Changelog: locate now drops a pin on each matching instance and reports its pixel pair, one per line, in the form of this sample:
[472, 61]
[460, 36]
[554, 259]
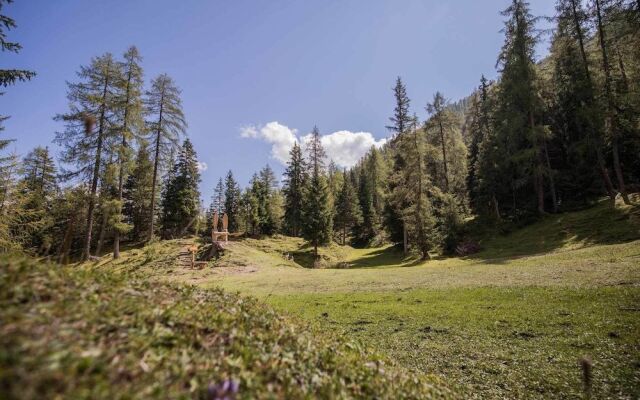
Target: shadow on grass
[602, 224]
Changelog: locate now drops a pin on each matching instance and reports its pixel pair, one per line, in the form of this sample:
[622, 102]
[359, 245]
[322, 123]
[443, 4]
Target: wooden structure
[196, 264]
[216, 235]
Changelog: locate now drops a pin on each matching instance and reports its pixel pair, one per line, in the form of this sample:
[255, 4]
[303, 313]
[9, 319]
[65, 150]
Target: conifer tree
[131, 125]
[612, 117]
[40, 190]
[89, 128]
[218, 198]
[10, 76]
[519, 106]
[348, 212]
[137, 193]
[400, 122]
[232, 201]
[164, 104]
[294, 186]
[181, 198]
[317, 222]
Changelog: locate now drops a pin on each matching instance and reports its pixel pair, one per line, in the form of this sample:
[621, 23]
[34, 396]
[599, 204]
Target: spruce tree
[90, 128]
[317, 224]
[518, 109]
[219, 198]
[400, 122]
[163, 103]
[613, 119]
[232, 201]
[181, 197]
[294, 186]
[348, 212]
[137, 193]
[40, 190]
[10, 76]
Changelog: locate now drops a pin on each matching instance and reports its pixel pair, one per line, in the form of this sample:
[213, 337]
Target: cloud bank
[345, 148]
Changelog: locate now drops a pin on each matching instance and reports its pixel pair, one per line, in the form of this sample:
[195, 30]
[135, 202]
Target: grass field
[509, 322]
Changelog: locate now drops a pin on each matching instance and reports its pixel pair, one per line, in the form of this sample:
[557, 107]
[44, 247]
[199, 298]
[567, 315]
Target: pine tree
[519, 107]
[89, 128]
[163, 103]
[137, 193]
[181, 197]
[232, 201]
[294, 187]
[10, 76]
[348, 212]
[401, 121]
[411, 192]
[40, 190]
[218, 198]
[317, 224]
[612, 117]
[267, 186]
[131, 126]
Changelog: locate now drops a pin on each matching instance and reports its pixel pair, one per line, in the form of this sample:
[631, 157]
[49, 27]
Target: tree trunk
[552, 184]
[613, 118]
[496, 207]
[344, 235]
[444, 157]
[103, 231]
[538, 179]
[96, 172]
[405, 238]
[63, 255]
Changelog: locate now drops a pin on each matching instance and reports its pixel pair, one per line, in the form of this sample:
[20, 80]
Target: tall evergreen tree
[218, 197]
[131, 125]
[317, 223]
[181, 198]
[518, 108]
[294, 187]
[137, 193]
[612, 117]
[348, 212]
[232, 201]
[89, 128]
[164, 104]
[400, 122]
[10, 76]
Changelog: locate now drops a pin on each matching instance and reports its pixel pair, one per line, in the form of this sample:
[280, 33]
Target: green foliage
[294, 187]
[348, 213]
[181, 197]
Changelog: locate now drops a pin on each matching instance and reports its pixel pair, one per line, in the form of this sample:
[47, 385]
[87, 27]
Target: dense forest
[549, 135]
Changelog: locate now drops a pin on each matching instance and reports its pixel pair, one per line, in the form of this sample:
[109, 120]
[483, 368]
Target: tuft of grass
[111, 330]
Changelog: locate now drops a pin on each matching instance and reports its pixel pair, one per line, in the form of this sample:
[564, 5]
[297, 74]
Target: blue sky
[256, 75]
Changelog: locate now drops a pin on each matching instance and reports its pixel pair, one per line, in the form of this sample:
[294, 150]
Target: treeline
[545, 137]
[548, 135]
[124, 174]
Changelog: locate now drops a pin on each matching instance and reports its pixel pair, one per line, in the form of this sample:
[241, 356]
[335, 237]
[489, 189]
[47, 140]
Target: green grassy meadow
[512, 321]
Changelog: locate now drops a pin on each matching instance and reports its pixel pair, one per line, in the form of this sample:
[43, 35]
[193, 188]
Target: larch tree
[131, 127]
[90, 128]
[295, 180]
[163, 104]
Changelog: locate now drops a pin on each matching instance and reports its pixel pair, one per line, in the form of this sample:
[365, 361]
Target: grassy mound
[90, 332]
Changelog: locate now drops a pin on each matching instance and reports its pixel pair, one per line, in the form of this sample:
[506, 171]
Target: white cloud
[279, 136]
[345, 148]
[202, 166]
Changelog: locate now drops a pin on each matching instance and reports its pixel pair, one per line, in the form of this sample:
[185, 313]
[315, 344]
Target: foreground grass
[509, 322]
[113, 331]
